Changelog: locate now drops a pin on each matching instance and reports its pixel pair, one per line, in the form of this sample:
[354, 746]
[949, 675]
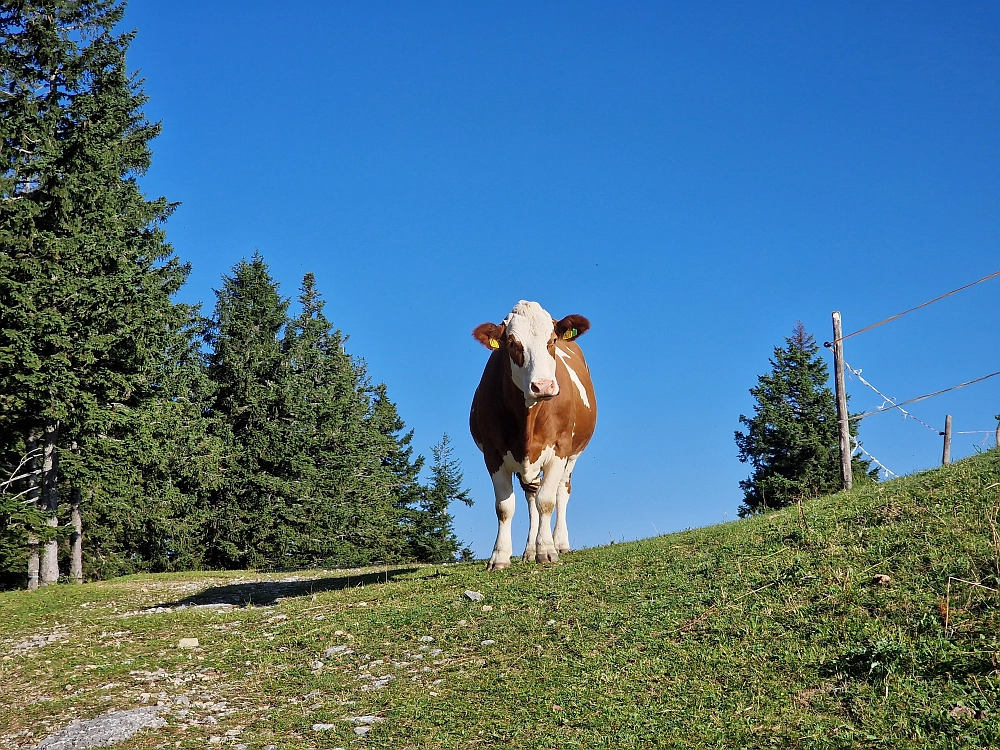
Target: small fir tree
[432, 535]
[792, 440]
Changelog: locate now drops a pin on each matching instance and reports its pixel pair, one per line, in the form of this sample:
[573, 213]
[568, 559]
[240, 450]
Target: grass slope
[757, 633]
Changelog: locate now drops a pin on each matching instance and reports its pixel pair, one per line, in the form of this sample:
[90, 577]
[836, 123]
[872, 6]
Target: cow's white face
[530, 337]
[527, 337]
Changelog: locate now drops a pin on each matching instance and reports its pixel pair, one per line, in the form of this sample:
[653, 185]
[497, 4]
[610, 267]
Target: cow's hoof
[497, 565]
[547, 557]
[564, 550]
[527, 557]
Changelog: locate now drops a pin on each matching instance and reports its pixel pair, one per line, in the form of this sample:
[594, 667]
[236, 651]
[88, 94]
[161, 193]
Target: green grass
[766, 632]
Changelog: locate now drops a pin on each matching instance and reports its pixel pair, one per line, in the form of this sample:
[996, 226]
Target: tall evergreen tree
[248, 525]
[432, 533]
[792, 441]
[85, 273]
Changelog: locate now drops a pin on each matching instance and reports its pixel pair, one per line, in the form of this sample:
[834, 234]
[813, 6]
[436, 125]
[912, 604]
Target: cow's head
[528, 338]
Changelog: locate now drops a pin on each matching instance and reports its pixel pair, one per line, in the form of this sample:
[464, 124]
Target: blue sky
[694, 177]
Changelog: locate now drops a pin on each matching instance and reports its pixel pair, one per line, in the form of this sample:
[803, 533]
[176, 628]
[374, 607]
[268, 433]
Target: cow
[533, 414]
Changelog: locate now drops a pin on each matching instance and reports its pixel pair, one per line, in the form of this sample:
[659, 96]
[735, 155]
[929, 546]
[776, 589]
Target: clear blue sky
[694, 177]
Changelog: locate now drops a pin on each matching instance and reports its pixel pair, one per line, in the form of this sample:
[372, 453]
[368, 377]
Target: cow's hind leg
[503, 488]
[530, 490]
[561, 535]
[545, 500]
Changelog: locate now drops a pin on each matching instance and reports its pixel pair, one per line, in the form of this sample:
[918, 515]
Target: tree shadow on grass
[267, 593]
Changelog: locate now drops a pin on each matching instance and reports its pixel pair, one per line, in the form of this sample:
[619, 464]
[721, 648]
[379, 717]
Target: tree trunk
[76, 538]
[32, 498]
[49, 568]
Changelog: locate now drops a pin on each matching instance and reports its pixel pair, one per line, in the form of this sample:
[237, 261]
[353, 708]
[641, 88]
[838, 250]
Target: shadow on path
[266, 593]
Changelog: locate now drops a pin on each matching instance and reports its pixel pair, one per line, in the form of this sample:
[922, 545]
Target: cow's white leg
[529, 547]
[545, 501]
[561, 535]
[503, 488]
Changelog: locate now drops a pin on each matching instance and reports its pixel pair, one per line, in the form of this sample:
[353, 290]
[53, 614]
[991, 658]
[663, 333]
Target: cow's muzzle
[544, 389]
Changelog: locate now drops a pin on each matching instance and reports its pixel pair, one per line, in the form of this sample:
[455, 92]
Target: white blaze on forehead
[574, 377]
[531, 326]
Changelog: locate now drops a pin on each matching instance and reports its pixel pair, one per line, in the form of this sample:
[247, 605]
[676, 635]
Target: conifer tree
[85, 273]
[792, 440]
[432, 534]
[248, 525]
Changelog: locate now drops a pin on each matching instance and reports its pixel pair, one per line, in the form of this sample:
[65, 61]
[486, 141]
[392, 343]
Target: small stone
[487, 643]
[881, 579]
[425, 639]
[474, 596]
[550, 622]
[242, 746]
[271, 747]
[487, 608]
[463, 623]
[556, 707]
[334, 650]
[187, 643]
[214, 740]
[362, 730]
[316, 665]
[323, 727]
[364, 719]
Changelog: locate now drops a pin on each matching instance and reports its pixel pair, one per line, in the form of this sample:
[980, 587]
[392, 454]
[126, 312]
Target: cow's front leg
[503, 488]
[530, 491]
[545, 501]
[561, 535]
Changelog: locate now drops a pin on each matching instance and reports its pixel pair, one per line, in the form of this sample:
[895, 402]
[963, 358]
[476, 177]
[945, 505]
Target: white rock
[364, 719]
[426, 639]
[362, 730]
[487, 643]
[474, 596]
[323, 727]
[187, 643]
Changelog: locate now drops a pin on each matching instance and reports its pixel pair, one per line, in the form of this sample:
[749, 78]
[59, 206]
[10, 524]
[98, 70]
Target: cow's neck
[524, 414]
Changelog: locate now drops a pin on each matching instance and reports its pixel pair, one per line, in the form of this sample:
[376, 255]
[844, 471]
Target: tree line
[137, 433]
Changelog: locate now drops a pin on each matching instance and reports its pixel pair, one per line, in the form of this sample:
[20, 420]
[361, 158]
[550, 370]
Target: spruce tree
[792, 440]
[432, 531]
[250, 509]
[85, 273]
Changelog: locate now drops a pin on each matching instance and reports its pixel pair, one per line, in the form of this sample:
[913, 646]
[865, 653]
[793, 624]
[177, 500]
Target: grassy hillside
[757, 633]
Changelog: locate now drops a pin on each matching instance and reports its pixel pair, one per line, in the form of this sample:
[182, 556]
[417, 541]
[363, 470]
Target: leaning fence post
[946, 456]
[842, 415]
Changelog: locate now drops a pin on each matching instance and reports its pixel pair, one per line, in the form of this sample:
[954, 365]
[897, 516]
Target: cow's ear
[571, 327]
[488, 334]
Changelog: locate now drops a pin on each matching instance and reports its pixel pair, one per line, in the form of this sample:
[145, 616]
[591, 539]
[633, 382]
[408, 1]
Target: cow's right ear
[488, 334]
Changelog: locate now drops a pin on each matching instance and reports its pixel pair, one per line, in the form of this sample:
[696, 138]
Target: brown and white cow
[533, 414]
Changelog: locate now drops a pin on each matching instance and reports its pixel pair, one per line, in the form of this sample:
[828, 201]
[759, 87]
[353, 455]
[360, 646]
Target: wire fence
[892, 404]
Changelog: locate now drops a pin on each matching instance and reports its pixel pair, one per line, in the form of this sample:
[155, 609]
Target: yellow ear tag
[570, 334]
[494, 344]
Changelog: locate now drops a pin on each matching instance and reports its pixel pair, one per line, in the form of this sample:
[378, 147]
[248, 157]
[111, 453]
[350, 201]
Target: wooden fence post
[842, 416]
[946, 456]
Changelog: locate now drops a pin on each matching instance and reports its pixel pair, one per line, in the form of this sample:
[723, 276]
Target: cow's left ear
[571, 327]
